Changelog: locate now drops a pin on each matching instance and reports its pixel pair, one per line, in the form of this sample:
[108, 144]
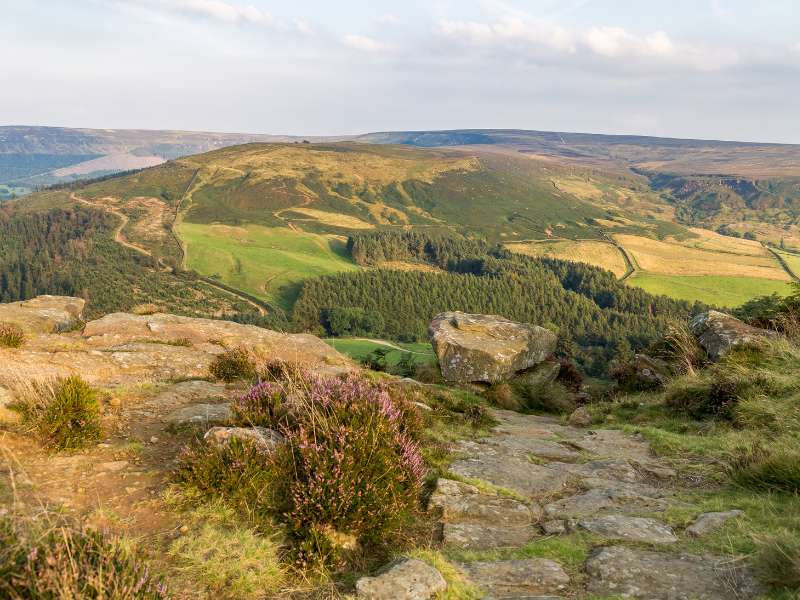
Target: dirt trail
[119, 237]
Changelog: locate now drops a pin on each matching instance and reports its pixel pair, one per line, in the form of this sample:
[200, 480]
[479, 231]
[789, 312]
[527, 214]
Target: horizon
[714, 70]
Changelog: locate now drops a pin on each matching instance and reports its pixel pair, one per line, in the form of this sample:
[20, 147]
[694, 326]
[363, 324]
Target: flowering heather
[264, 405]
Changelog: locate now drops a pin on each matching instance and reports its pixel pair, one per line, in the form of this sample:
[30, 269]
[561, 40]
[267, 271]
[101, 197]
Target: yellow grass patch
[335, 219]
[673, 258]
[599, 254]
[399, 265]
[580, 188]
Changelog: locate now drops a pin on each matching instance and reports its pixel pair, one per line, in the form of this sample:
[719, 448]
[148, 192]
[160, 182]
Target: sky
[715, 69]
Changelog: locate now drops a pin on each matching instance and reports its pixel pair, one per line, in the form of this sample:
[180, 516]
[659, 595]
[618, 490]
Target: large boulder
[718, 332]
[487, 348]
[43, 314]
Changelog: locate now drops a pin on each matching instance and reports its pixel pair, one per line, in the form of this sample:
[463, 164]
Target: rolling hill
[262, 218]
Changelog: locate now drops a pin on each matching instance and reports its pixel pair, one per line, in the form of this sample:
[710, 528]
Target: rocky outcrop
[43, 314]
[717, 333]
[487, 348]
[405, 579]
[122, 349]
[629, 529]
[618, 571]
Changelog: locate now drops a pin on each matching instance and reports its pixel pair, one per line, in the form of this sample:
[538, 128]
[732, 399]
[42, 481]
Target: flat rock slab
[603, 501]
[405, 579]
[512, 472]
[629, 529]
[43, 314]
[482, 536]
[200, 414]
[617, 571]
[462, 502]
[524, 578]
[711, 521]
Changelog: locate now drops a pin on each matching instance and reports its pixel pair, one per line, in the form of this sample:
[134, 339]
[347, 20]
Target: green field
[712, 289]
[792, 260]
[268, 262]
[357, 349]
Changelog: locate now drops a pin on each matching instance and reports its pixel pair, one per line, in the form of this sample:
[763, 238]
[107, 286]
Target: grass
[597, 253]
[226, 557]
[268, 262]
[358, 349]
[11, 335]
[63, 413]
[717, 290]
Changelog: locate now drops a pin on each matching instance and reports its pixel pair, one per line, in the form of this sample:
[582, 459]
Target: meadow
[358, 348]
[717, 290]
[599, 254]
[268, 262]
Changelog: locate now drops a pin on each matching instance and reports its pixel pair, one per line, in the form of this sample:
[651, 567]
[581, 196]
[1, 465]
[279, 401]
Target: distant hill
[31, 157]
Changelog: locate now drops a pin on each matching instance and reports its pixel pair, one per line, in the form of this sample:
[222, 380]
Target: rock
[487, 348]
[618, 571]
[200, 414]
[542, 374]
[710, 522]
[630, 529]
[113, 466]
[510, 471]
[482, 536]
[718, 332]
[603, 501]
[405, 579]
[265, 439]
[474, 520]
[523, 578]
[554, 527]
[122, 349]
[44, 314]
[580, 417]
[459, 501]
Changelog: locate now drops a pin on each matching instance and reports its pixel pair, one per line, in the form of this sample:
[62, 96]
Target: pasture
[718, 290]
[358, 348]
[596, 253]
[268, 262]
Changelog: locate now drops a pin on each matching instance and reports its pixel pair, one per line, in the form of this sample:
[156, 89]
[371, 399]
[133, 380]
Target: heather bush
[11, 335]
[64, 412]
[66, 562]
[232, 365]
[349, 472]
[502, 395]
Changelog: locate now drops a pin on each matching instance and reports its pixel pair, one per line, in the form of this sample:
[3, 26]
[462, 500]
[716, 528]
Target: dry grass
[335, 219]
[599, 254]
[671, 258]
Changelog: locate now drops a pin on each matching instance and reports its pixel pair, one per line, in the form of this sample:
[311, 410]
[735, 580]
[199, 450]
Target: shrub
[547, 396]
[64, 413]
[778, 561]
[569, 375]
[350, 468]
[11, 335]
[66, 562]
[502, 395]
[233, 364]
[775, 467]
[376, 360]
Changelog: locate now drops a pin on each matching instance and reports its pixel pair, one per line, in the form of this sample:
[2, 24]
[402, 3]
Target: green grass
[268, 262]
[358, 349]
[792, 260]
[712, 289]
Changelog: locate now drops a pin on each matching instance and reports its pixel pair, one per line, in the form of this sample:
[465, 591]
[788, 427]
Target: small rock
[554, 527]
[264, 438]
[580, 417]
[115, 402]
[184, 529]
[631, 529]
[522, 578]
[711, 521]
[405, 579]
[153, 439]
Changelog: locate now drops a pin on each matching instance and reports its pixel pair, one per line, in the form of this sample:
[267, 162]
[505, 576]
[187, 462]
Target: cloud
[364, 43]
[534, 40]
[216, 10]
[388, 19]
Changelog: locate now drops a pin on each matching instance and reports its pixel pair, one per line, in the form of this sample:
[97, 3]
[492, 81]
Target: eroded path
[534, 483]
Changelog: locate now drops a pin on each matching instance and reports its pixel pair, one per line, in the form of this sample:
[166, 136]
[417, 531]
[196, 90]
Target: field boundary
[784, 264]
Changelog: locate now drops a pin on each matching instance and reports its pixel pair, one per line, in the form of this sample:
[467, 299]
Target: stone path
[534, 478]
